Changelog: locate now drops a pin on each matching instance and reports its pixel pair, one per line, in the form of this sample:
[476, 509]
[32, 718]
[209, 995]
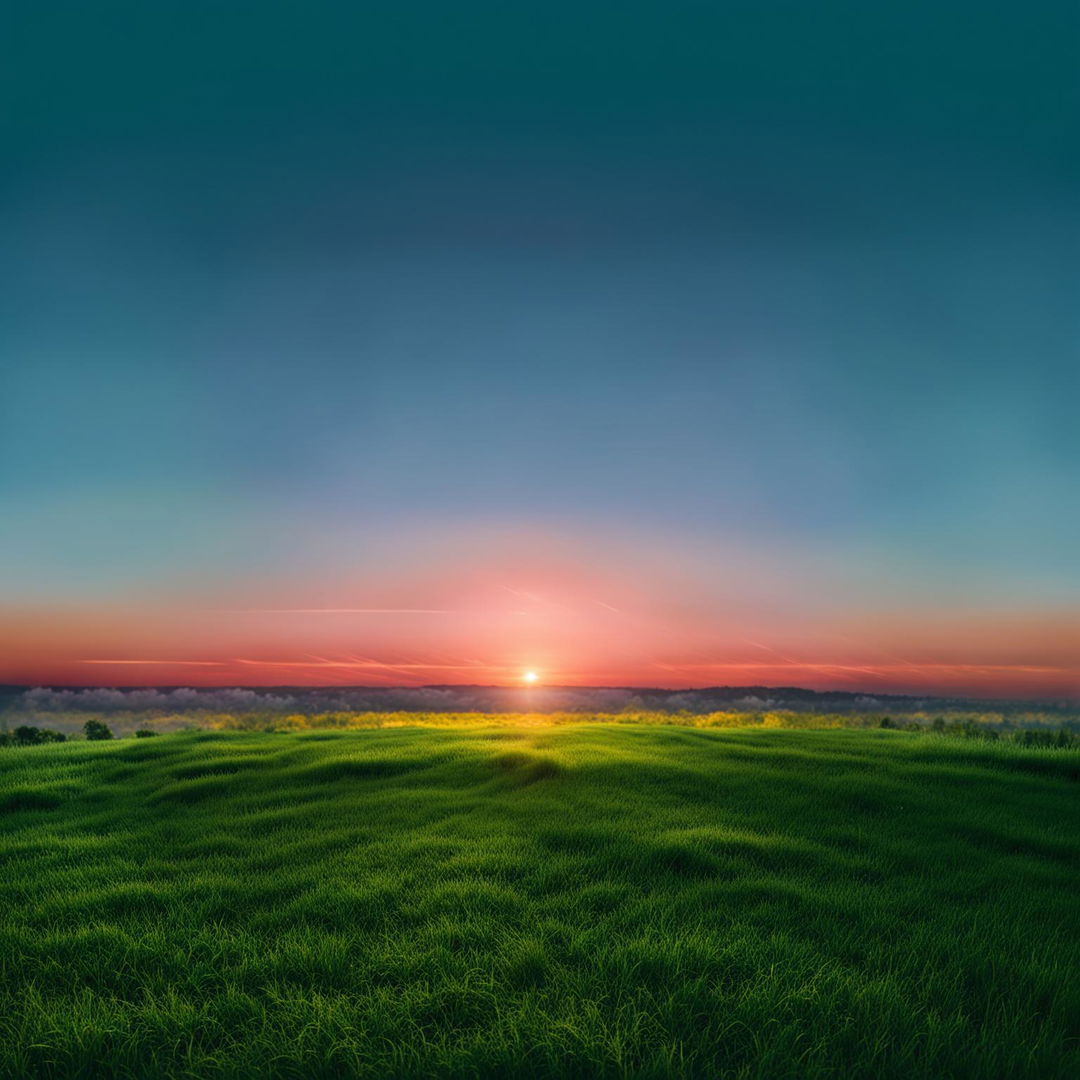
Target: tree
[95, 730]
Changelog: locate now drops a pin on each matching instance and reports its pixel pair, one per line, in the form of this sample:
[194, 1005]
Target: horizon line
[533, 689]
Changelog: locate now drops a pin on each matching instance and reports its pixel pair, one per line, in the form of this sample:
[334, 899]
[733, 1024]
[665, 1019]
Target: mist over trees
[541, 699]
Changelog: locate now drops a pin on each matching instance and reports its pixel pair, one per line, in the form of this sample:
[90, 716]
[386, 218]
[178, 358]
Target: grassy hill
[567, 901]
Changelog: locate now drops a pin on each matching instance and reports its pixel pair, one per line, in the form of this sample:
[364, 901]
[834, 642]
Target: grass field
[618, 900]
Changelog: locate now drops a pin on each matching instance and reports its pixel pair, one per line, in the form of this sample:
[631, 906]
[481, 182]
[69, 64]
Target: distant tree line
[1061, 738]
[25, 735]
[29, 735]
[969, 727]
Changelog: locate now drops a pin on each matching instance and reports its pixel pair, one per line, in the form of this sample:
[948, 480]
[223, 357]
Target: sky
[640, 344]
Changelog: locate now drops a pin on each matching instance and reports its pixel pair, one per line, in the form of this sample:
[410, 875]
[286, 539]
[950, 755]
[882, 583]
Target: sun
[529, 677]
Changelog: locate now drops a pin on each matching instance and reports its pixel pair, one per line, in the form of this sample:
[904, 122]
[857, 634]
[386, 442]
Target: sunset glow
[663, 614]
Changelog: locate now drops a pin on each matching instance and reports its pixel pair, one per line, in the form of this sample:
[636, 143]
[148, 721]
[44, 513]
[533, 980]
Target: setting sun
[529, 677]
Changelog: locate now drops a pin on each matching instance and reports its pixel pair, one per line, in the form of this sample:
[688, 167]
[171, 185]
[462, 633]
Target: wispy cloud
[377, 665]
[170, 663]
[341, 611]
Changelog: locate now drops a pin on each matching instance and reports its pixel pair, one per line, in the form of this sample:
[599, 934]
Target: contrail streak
[341, 611]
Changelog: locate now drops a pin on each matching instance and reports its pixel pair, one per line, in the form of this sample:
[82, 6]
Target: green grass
[566, 901]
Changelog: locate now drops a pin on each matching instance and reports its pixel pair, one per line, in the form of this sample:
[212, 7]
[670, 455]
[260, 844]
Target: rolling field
[617, 900]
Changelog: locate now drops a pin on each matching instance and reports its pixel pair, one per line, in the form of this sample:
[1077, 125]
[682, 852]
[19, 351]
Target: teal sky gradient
[282, 281]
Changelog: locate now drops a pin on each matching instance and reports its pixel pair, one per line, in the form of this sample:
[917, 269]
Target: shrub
[28, 735]
[96, 730]
[145, 733]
